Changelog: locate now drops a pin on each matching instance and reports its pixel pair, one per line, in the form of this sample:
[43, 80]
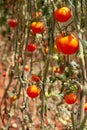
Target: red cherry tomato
[33, 91]
[32, 47]
[12, 23]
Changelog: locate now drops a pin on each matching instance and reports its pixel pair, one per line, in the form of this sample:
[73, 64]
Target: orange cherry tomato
[33, 91]
[54, 68]
[63, 14]
[37, 27]
[56, 49]
[38, 14]
[46, 49]
[26, 68]
[32, 47]
[70, 98]
[60, 69]
[67, 44]
[13, 97]
[12, 23]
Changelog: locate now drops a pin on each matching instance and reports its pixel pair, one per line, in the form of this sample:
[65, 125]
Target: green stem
[82, 106]
[31, 63]
[43, 94]
[42, 110]
[81, 127]
[84, 84]
[72, 117]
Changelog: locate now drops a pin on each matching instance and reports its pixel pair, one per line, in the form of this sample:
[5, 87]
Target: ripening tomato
[70, 98]
[63, 14]
[32, 47]
[46, 49]
[38, 14]
[54, 68]
[13, 97]
[56, 49]
[4, 74]
[85, 106]
[67, 44]
[12, 23]
[33, 91]
[60, 69]
[35, 78]
[26, 68]
[37, 27]
[20, 60]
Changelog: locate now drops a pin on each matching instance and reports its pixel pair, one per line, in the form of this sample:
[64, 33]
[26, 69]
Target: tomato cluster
[67, 44]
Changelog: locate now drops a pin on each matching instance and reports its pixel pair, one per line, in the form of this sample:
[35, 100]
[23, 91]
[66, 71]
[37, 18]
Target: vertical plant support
[84, 86]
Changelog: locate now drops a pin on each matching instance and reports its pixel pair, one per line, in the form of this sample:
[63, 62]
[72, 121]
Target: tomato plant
[43, 52]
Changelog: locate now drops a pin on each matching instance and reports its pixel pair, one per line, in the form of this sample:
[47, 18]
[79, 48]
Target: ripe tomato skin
[12, 23]
[35, 78]
[85, 106]
[70, 98]
[33, 91]
[37, 27]
[63, 14]
[67, 44]
[4, 74]
[14, 98]
[32, 47]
